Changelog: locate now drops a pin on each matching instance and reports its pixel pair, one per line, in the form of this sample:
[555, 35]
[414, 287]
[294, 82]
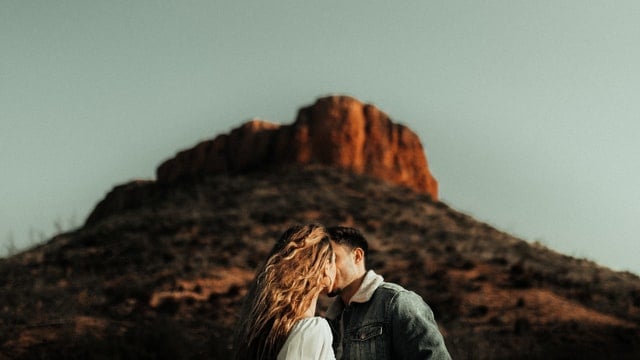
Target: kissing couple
[368, 319]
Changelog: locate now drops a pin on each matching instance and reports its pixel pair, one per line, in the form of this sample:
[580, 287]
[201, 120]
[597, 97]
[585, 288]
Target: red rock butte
[337, 131]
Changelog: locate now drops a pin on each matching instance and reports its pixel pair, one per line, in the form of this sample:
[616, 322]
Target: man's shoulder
[388, 291]
[392, 288]
[396, 295]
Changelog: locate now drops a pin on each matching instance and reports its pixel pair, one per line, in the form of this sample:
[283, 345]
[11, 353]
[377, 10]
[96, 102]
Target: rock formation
[337, 131]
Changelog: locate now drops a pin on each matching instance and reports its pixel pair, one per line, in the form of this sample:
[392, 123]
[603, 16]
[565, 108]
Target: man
[373, 319]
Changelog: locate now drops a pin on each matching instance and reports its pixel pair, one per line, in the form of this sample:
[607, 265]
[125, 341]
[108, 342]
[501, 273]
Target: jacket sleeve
[415, 334]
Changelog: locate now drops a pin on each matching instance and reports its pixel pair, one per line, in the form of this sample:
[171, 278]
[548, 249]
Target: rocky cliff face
[337, 131]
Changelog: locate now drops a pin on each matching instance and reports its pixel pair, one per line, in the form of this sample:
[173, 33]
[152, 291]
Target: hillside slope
[164, 278]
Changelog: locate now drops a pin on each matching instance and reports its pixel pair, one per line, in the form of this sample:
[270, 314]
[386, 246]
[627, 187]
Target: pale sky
[529, 111]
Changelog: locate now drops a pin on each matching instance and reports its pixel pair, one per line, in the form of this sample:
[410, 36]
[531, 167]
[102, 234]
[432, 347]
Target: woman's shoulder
[310, 338]
[311, 324]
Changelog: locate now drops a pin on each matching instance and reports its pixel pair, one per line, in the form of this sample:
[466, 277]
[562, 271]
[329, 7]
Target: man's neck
[351, 289]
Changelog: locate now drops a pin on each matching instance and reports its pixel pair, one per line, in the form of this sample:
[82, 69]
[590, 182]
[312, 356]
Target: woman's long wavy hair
[282, 291]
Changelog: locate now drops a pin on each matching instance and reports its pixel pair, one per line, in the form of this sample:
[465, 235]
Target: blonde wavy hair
[282, 291]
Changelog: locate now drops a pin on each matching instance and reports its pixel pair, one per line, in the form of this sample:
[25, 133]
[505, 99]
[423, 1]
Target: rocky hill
[160, 267]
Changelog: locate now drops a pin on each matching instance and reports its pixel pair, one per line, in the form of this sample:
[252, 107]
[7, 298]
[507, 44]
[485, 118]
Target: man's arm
[415, 332]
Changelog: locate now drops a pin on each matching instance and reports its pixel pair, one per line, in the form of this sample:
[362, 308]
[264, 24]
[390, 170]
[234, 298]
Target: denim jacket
[385, 321]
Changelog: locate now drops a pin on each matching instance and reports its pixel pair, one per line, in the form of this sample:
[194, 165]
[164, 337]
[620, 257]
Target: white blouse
[310, 339]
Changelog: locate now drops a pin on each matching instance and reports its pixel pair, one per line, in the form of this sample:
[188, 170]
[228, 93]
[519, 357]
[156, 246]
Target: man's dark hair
[348, 236]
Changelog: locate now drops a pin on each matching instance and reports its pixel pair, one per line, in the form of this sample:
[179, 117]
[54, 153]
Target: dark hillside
[165, 280]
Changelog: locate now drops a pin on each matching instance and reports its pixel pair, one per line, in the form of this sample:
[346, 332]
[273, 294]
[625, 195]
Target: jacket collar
[369, 285]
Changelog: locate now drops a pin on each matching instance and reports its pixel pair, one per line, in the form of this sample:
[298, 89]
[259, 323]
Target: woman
[278, 317]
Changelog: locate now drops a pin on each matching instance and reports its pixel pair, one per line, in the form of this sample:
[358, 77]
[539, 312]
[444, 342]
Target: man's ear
[358, 255]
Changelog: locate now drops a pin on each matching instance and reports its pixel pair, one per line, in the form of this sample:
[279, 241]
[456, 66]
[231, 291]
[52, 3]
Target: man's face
[346, 270]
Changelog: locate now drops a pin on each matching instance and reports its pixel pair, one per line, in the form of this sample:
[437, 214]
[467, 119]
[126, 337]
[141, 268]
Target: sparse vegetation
[10, 248]
[35, 237]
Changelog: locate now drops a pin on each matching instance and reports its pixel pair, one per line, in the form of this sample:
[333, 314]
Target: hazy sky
[529, 111]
